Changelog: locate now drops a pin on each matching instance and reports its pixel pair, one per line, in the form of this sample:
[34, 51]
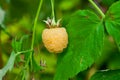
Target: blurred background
[16, 19]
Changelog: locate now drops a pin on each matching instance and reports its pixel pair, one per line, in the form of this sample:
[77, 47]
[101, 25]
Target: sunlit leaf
[86, 34]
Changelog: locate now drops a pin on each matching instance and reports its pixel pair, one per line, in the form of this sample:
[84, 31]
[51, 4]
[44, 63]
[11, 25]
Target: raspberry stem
[35, 23]
[53, 12]
[34, 29]
[33, 38]
[97, 8]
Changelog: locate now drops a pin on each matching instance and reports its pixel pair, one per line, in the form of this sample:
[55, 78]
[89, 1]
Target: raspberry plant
[86, 33]
[29, 64]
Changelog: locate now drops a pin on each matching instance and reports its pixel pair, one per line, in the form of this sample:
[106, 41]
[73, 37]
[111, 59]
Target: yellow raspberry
[55, 39]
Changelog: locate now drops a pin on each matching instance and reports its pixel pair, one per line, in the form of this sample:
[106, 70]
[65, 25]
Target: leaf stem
[97, 8]
[53, 12]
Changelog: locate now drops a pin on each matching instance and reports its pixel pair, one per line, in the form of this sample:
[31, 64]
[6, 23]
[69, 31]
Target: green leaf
[107, 75]
[8, 66]
[22, 44]
[86, 34]
[16, 45]
[112, 22]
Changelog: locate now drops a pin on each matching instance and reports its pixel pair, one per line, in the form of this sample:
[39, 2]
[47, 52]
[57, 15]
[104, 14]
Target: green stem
[35, 23]
[18, 53]
[29, 60]
[53, 12]
[97, 8]
[34, 29]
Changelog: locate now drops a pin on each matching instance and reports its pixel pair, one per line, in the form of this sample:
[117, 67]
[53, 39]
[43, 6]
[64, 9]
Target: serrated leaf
[106, 75]
[112, 22]
[8, 66]
[22, 44]
[86, 33]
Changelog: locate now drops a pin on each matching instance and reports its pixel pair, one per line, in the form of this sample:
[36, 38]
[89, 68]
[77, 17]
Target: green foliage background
[18, 21]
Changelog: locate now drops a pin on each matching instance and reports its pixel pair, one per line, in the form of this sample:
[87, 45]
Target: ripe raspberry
[55, 39]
